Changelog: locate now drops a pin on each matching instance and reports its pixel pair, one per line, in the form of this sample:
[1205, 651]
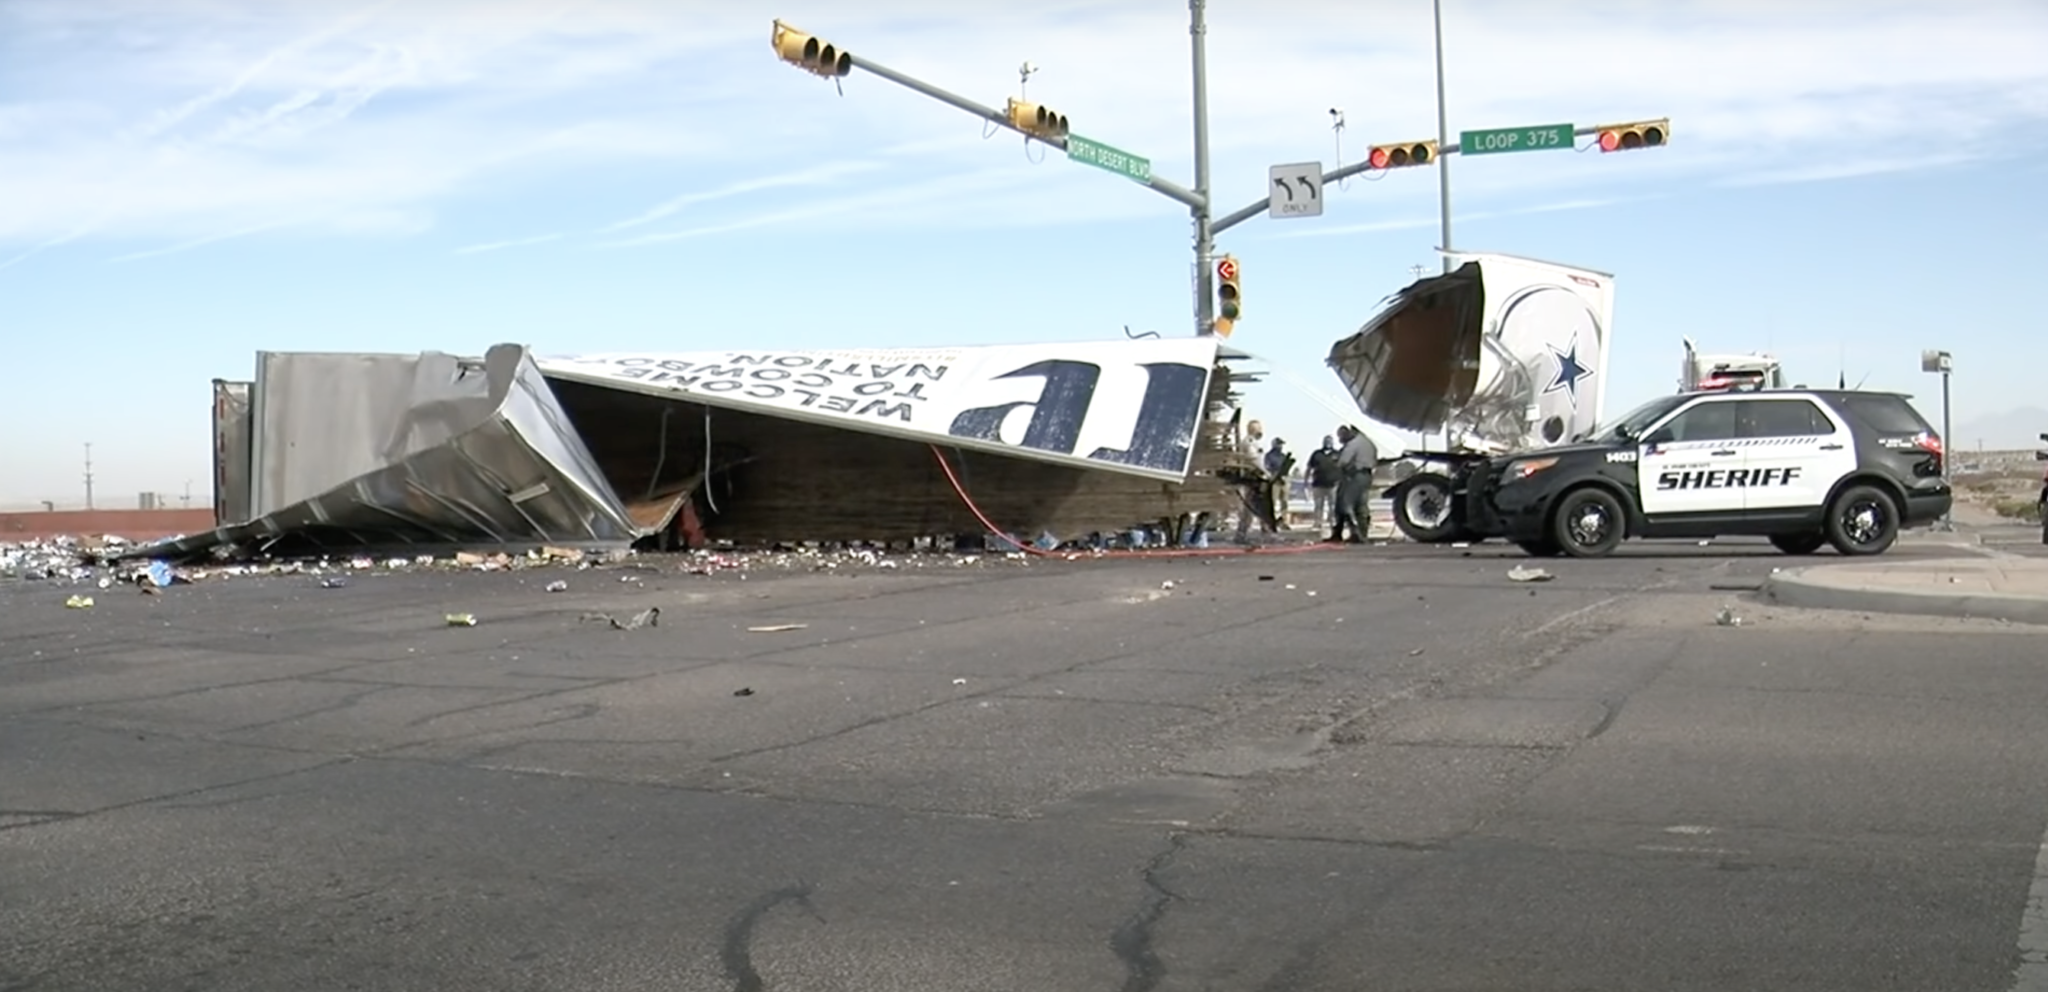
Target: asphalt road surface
[1380, 768]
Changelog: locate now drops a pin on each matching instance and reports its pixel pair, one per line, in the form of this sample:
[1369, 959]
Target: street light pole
[1948, 520]
[1936, 360]
[1443, 140]
[1205, 239]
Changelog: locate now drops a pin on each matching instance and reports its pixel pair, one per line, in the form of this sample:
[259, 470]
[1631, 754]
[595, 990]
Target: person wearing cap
[1279, 464]
[1355, 463]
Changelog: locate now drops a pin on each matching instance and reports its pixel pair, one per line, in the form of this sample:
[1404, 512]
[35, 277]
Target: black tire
[1544, 548]
[1425, 491]
[1588, 523]
[1799, 544]
[1863, 520]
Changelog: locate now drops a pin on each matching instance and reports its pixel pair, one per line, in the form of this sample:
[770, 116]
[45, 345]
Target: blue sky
[188, 181]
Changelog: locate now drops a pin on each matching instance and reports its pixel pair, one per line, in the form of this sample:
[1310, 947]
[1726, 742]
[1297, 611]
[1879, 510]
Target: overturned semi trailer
[324, 452]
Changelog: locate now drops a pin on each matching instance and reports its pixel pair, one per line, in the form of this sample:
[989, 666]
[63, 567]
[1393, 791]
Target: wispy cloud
[538, 239]
[184, 246]
[173, 121]
[819, 176]
[1419, 222]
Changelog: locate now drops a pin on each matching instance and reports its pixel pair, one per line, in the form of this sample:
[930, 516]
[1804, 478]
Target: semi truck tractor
[1502, 353]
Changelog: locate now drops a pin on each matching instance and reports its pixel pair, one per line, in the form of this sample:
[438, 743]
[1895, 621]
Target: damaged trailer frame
[352, 452]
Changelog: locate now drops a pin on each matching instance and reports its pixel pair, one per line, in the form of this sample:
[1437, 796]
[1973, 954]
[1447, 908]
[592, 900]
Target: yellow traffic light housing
[1402, 155]
[1641, 134]
[1229, 296]
[808, 53]
[1036, 120]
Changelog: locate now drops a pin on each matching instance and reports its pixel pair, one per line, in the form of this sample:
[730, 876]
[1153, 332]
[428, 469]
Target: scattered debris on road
[776, 628]
[649, 617]
[1727, 618]
[1523, 574]
[461, 619]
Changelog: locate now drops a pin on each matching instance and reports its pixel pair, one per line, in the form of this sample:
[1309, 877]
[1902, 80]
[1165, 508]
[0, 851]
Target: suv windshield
[1632, 424]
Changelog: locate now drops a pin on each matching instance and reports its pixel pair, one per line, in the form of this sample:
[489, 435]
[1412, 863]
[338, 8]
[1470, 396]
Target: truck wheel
[1422, 508]
[1862, 520]
[1588, 523]
[1799, 544]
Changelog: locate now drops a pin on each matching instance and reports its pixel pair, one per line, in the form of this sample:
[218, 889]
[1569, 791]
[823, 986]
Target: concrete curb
[1815, 588]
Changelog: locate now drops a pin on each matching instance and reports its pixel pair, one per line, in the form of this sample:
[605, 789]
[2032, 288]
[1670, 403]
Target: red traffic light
[1629, 137]
[1226, 269]
[1379, 158]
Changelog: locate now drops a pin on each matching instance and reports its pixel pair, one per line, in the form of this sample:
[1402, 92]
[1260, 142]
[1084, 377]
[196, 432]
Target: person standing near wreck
[1321, 476]
[1355, 463]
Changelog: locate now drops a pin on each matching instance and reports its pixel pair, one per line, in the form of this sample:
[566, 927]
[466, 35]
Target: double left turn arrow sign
[1297, 190]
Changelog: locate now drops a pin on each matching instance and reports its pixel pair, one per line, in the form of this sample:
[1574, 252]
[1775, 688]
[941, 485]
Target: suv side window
[1885, 413]
[1708, 421]
[1784, 418]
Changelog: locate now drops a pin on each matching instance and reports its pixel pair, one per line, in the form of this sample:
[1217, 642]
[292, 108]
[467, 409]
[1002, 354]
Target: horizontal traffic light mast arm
[1237, 217]
[997, 117]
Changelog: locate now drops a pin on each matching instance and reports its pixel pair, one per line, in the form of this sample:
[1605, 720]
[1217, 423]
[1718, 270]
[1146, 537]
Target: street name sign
[1104, 157]
[1296, 190]
[1498, 140]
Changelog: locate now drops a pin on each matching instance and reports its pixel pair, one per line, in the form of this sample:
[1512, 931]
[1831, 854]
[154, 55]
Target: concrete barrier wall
[135, 525]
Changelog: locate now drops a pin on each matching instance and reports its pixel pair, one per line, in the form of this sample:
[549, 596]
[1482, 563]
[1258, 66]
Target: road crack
[737, 953]
[1132, 941]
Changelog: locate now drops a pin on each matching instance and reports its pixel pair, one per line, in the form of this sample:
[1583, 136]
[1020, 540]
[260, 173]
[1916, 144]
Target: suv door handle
[1830, 447]
[1719, 454]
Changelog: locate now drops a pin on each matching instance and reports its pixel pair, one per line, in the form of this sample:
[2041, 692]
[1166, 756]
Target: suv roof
[1878, 410]
[1796, 391]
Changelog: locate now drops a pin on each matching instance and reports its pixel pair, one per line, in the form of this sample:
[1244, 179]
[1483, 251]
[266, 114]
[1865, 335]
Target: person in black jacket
[1322, 480]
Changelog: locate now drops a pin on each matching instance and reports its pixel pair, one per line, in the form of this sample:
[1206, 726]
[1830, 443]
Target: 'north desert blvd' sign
[1121, 406]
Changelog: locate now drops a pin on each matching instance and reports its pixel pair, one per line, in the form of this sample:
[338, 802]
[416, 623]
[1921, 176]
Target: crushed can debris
[1521, 573]
[461, 619]
[649, 617]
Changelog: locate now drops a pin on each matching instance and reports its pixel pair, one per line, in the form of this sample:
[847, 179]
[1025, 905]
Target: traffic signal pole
[1236, 217]
[826, 60]
[1171, 190]
[823, 59]
[1205, 236]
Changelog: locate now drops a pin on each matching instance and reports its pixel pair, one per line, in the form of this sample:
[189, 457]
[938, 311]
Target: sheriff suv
[1803, 467]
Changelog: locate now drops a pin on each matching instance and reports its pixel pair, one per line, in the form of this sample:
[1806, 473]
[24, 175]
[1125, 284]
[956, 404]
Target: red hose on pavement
[968, 501]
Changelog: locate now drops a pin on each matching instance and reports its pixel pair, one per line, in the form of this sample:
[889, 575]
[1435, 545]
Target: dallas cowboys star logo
[1569, 372]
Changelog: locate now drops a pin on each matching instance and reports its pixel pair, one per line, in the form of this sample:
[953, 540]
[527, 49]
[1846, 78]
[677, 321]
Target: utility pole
[88, 475]
[1443, 140]
[1205, 239]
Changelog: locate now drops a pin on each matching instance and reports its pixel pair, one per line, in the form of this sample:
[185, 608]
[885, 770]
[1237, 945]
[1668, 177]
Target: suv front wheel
[1588, 523]
[1863, 520]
